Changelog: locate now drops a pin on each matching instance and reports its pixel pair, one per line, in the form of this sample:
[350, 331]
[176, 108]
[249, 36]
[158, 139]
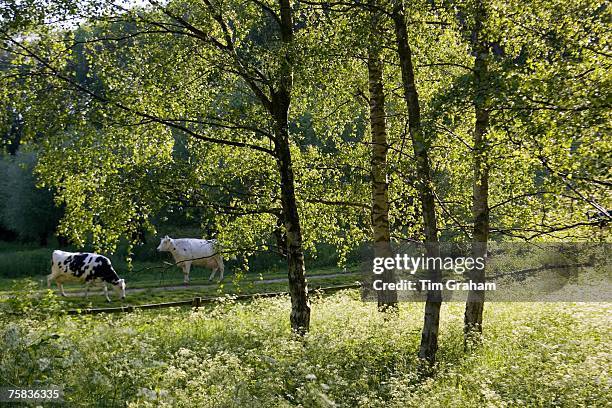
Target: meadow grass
[151, 295]
[20, 261]
[154, 292]
[243, 354]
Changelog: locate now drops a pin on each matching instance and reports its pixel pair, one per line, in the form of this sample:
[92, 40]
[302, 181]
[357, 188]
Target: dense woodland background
[298, 132]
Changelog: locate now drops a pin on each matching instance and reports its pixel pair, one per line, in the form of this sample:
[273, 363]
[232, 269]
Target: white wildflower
[44, 363]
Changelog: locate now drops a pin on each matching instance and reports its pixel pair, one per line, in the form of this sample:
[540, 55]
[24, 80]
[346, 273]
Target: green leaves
[129, 109]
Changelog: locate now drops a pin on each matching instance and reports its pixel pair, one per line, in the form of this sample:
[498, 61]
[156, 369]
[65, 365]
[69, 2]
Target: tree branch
[128, 109]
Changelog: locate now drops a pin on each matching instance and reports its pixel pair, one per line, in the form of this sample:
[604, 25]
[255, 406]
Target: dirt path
[94, 290]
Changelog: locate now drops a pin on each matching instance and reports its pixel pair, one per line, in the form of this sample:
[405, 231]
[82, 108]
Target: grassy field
[242, 354]
[173, 276]
[24, 267]
[159, 295]
[154, 291]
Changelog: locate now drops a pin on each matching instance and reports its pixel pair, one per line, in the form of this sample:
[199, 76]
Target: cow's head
[120, 287]
[165, 245]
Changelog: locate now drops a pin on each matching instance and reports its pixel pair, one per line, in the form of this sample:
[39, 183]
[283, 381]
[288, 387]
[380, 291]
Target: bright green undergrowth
[242, 354]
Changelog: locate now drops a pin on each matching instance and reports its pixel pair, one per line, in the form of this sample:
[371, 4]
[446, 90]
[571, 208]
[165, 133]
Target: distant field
[149, 269]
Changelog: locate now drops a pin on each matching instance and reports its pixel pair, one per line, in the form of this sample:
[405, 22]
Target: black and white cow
[84, 267]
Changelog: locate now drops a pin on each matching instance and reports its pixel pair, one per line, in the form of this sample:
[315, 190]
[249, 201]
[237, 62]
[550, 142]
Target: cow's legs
[55, 276]
[106, 292]
[218, 267]
[86, 290]
[57, 282]
[61, 287]
[221, 266]
[186, 267]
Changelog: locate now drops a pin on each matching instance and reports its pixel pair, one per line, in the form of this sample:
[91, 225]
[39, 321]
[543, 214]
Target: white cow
[84, 267]
[191, 251]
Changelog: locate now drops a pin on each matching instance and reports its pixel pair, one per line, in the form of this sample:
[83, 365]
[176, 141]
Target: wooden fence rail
[198, 301]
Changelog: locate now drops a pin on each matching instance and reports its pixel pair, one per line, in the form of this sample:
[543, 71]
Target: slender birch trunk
[480, 193]
[378, 161]
[281, 100]
[420, 144]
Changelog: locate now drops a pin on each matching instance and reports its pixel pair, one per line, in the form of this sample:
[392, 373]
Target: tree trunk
[480, 193]
[300, 306]
[429, 337]
[280, 236]
[281, 100]
[378, 162]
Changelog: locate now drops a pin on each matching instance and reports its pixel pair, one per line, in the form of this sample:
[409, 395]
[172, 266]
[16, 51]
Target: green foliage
[140, 122]
[547, 86]
[242, 354]
[25, 209]
[26, 301]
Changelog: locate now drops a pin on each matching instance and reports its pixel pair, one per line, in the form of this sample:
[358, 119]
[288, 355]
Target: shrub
[26, 301]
